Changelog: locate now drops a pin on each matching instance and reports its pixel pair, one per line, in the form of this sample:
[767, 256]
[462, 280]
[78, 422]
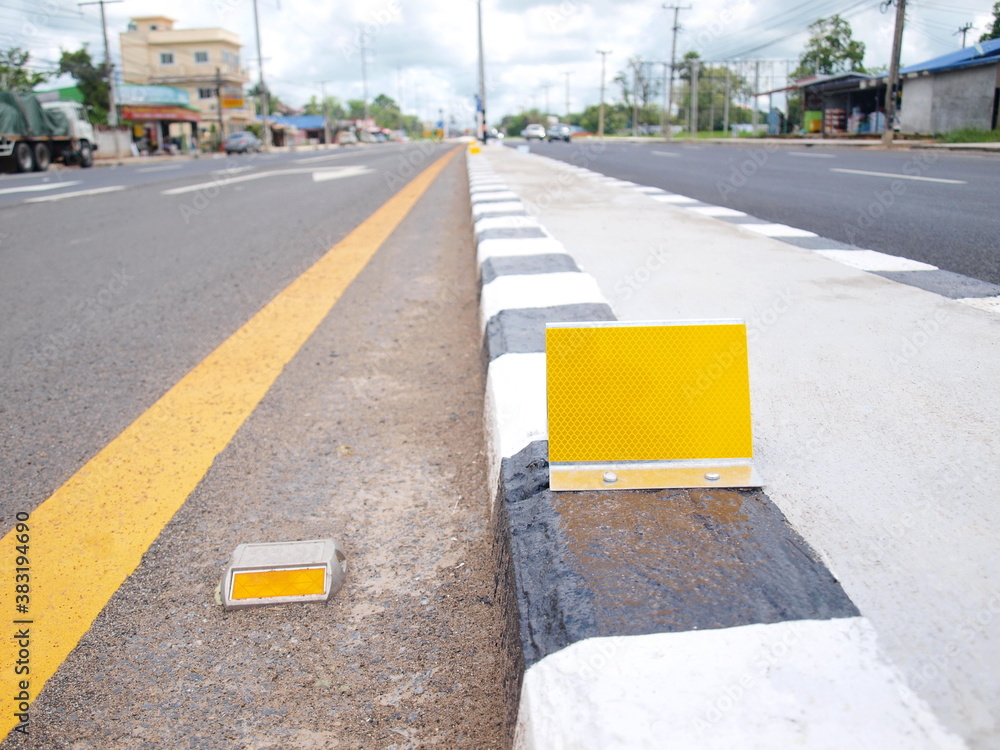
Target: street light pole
[567, 73]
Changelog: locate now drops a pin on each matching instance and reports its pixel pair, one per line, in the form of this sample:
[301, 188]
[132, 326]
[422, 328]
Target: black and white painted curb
[979, 294]
[651, 619]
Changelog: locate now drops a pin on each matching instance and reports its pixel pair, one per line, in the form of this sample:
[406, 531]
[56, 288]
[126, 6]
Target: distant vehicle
[347, 138]
[494, 134]
[560, 132]
[242, 143]
[533, 131]
[34, 134]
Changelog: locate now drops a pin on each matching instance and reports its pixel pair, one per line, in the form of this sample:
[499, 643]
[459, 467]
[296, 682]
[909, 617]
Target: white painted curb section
[515, 413]
[482, 209]
[513, 247]
[538, 290]
[506, 222]
[817, 684]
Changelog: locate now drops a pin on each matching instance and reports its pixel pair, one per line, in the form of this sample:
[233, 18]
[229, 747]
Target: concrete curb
[693, 619]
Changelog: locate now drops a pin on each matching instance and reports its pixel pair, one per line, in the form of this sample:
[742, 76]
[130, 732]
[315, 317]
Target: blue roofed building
[954, 91]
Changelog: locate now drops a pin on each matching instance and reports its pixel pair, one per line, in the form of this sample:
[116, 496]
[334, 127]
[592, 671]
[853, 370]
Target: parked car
[242, 143]
[560, 132]
[494, 135]
[346, 138]
[533, 131]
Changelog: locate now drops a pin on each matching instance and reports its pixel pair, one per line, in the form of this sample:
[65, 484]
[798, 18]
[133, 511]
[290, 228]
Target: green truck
[34, 133]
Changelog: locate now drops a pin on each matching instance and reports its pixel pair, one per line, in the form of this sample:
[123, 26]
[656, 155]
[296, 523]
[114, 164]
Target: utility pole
[695, 71]
[673, 63]
[600, 112]
[890, 91]
[109, 67]
[265, 99]
[963, 30]
[665, 115]
[756, 89]
[635, 97]
[567, 73]
[218, 98]
[482, 75]
[364, 74]
[725, 113]
[326, 114]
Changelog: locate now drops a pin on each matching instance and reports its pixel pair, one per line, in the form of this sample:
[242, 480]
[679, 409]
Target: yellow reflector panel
[266, 584]
[648, 392]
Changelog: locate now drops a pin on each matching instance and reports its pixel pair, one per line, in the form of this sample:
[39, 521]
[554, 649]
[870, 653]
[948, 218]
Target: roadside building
[161, 116]
[206, 63]
[842, 103]
[954, 91]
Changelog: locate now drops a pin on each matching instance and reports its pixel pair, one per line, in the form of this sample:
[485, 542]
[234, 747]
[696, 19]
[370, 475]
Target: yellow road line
[91, 534]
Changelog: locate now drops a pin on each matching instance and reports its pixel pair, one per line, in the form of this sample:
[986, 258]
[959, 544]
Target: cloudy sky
[424, 52]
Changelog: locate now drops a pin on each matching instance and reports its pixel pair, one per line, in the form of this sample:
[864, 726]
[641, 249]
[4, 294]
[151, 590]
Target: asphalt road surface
[931, 206]
[367, 431]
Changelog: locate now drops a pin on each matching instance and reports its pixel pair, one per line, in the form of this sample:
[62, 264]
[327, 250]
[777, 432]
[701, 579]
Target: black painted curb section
[522, 331]
[946, 283]
[519, 265]
[635, 562]
[513, 233]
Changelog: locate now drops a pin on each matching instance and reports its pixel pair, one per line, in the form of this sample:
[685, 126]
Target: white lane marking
[717, 211]
[321, 158]
[665, 153]
[165, 168]
[226, 180]
[989, 304]
[673, 198]
[811, 156]
[38, 188]
[231, 170]
[76, 194]
[899, 176]
[872, 260]
[778, 230]
[336, 173]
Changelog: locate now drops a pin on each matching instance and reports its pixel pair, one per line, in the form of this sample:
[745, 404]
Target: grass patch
[970, 135]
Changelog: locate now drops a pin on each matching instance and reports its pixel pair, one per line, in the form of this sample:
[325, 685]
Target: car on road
[534, 130]
[242, 143]
[560, 132]
[494, 135]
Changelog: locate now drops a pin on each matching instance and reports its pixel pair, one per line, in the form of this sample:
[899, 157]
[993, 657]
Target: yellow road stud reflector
[283, 572]
[474, 149]
[649, 405]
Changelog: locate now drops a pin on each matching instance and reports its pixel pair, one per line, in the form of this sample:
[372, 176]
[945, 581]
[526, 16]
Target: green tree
[994, 31]
[14, 72]
[712, 93]
[331, 105]
[830, 49]
[639, 81]
[92, 80]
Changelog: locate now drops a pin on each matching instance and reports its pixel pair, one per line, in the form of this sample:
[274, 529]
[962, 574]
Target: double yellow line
[91, 534]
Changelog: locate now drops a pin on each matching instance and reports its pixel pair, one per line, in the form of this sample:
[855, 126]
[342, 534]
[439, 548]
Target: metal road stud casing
[283, 572]
[648, 405]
